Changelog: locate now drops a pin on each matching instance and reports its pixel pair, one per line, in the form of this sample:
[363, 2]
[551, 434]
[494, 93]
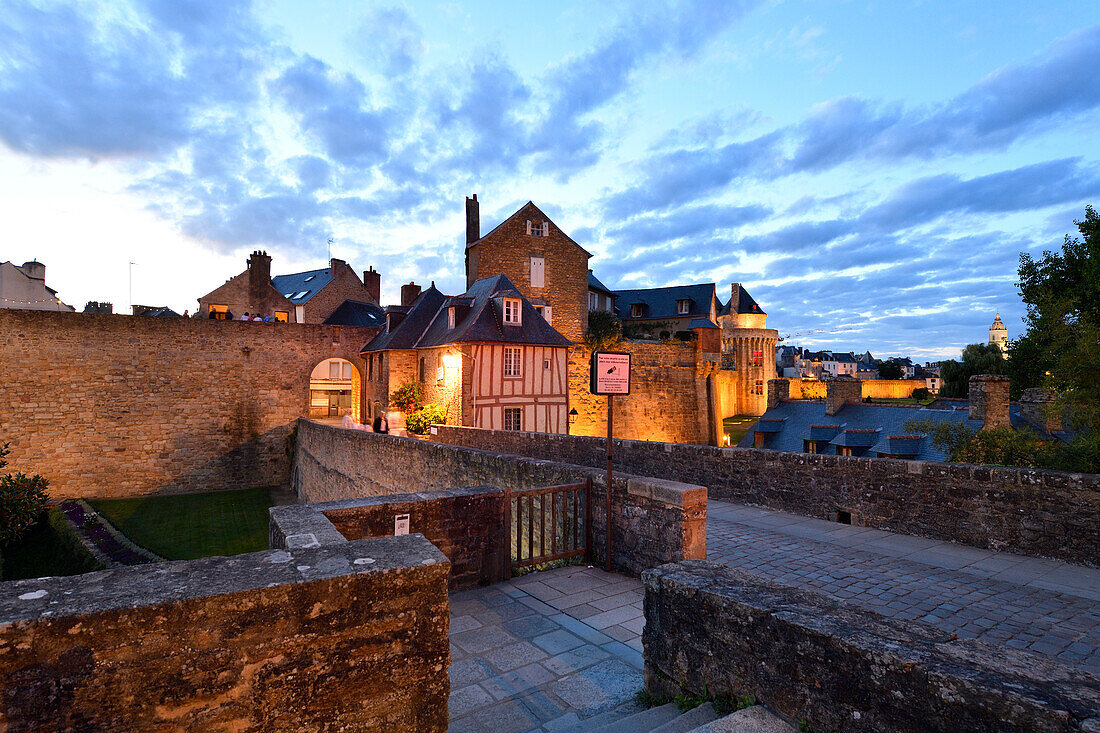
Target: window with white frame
[512, 310]
[451, 317]
[544, 311]
[683, 307]
[546, 229]
[593, 301]
[538, 270]
[538, 229]
[513, 418]
[513, 361]
[637, 310]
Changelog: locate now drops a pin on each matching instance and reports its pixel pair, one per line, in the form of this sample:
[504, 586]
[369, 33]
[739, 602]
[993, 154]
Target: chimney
[334, 266]
[840, 392]
[409, 293]
[34, 270]
[778, 389]
[259, 276]
[372, 281]
[989, 400]
[735, 295]
[473, 220]
[1037, 407]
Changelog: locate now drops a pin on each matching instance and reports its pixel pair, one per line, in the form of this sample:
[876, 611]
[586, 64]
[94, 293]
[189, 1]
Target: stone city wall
[667, 401]
[113, 406]
[1022, 510]
[654, 521]
[814, 389]
[347, 636]
[711, 630]
[467, 525]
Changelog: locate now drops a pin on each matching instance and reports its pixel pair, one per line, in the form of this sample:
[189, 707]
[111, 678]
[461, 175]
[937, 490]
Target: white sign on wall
[400, 524]
[610, 372]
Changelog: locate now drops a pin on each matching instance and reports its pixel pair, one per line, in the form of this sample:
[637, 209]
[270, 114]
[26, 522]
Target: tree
[889, 369]
[605, 331]
[408, 397]
[1061, 346]
[976, 359]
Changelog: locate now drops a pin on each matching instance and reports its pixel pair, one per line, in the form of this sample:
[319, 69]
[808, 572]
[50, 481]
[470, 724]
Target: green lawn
[901, 401]
[49, 548]
[188, 526]
[737, 426]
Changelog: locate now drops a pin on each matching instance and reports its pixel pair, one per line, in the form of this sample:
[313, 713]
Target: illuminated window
[512, 310]
[219, 312]
[334, 370]
[513, 418]
[513, 361]
[758, 387]
[809, 446]
[758, 358]
[281, 316]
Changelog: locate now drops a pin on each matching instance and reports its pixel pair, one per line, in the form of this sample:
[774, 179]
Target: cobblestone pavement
[1044, 606]
[551, 651]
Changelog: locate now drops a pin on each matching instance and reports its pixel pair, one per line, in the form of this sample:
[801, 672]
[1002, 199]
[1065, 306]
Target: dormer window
[637, 310]
[451, 318]
[683, 307]
[512, 310]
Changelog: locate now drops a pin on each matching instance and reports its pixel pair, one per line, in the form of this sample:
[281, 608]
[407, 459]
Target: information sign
[400, 524]
[610, 373]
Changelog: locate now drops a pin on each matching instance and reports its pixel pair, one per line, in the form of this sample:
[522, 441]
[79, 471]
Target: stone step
[756, 719]
[642, 722]
[690, 720]
[618, 712]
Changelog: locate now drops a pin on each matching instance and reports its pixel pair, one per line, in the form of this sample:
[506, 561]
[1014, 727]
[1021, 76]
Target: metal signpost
[609, 375]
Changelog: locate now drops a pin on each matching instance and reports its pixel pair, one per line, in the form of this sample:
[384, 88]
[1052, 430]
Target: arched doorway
[334, 388]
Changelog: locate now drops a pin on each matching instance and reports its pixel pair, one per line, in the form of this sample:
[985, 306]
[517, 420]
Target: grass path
[189, 526]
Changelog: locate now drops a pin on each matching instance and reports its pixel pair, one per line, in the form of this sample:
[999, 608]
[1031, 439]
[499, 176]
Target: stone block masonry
[115, 406]
[467, 525]
[348, 636]
[713, 630]
[653, 521]
[1021, 510]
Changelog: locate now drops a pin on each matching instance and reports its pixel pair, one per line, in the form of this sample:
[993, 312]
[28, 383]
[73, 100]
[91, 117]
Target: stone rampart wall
[653, 521]
[349, 636]
[112, 406]
[814, 389]
[1027, 511]
[711, 630]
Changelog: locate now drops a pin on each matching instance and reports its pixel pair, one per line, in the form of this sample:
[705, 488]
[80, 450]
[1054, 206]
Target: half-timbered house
[487, 356]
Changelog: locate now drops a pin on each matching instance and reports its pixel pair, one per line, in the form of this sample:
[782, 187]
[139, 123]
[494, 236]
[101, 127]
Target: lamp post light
[573, 414]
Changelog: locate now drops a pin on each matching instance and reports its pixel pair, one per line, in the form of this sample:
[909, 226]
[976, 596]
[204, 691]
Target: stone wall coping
[123, 588]
[1008, 474]
[413, 496]
[896, 647]
[667, 492]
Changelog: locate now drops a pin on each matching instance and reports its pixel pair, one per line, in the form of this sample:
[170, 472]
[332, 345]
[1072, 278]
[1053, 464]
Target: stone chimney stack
[34, 270]
[778, 389]
[372, 281]
[259, 276]
[989, 400]
[840, 392]
[735, 295]
[473, 220]
[335, 265]
[1037, 407]
[409, 293]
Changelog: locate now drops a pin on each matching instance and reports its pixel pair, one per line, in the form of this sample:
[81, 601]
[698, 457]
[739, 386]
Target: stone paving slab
[523, 657]
[1046, 606]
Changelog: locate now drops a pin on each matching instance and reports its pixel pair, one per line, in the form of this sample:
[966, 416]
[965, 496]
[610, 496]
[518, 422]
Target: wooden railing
[550, 523]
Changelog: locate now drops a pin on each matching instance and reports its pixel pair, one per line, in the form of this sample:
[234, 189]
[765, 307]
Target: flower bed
[108, 543]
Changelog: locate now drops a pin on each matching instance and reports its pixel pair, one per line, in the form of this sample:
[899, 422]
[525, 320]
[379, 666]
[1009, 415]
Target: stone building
[998, 335]
[748, 346]
[663, 312]
[301, 297]
[488, 357]
[542, 261]
[23, 287]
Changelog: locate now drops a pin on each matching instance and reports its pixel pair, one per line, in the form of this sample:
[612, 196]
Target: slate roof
[595, 284]
[702, 323]
[357, 313]
[480, 319]
[308, 283]
[878, 428]
[661, 302]
[745, 304]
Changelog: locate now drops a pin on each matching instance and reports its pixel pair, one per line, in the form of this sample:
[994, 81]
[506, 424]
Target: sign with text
[610, 372]
[400, 524]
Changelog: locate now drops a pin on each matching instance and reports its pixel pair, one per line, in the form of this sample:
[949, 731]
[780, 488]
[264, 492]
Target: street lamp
[573, 416]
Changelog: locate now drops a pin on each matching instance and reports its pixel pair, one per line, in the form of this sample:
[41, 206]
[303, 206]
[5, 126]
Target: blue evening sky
[870, 171]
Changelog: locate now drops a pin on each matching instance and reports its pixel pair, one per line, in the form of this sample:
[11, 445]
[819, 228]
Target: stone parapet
[1022, 510]
[711, 630]
[345, 636]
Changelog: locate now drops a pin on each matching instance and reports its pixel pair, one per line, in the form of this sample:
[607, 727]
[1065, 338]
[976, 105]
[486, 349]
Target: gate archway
[335, 386]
